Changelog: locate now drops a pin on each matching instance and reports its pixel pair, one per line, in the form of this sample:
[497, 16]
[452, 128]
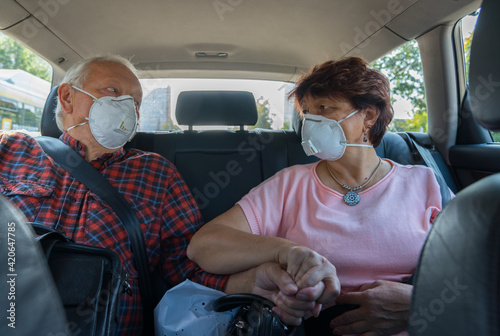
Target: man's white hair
[78, 73]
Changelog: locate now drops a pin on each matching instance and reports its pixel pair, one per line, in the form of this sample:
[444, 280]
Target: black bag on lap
[90, 281]
[254, 317]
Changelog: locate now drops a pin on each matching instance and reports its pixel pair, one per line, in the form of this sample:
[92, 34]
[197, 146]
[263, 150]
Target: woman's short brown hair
[350, 79]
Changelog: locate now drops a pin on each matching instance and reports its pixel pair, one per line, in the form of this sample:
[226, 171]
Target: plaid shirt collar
[100, 162]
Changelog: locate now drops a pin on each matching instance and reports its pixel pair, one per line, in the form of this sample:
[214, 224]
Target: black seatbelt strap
[431, 163]
[86, 174]
[426, 156]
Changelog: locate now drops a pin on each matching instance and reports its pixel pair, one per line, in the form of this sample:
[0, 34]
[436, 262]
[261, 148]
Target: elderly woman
[367, 216]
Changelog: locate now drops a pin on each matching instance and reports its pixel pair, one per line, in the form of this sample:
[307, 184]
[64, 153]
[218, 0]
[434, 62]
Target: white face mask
[112, 120]
[325, 137]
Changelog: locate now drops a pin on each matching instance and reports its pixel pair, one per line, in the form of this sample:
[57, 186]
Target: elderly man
[103, 91]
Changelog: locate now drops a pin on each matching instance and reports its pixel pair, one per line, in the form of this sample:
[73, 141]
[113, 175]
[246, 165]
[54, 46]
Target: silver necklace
[352, 197]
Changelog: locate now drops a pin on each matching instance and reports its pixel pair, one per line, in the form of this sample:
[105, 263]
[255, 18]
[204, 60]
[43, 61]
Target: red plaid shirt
[169, 217]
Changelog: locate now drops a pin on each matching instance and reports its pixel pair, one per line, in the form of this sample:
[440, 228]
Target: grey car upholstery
[37, 307]
[485, 67]
[216, 108]
[48, 125]
[457, 283]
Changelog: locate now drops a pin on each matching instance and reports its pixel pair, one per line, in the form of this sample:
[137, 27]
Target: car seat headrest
[48, 125]
[297, 123]
[234, 108]
[485, 67]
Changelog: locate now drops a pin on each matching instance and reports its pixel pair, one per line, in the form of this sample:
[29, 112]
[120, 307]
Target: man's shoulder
[149, 159]
[14, 140]
[16, 136]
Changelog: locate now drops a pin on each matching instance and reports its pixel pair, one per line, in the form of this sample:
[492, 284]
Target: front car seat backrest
[457, 283]
[30, 301]
[484, 77]
[48, 123]
[232, 108]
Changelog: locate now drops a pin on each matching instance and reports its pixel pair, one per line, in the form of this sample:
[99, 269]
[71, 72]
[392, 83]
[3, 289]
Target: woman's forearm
[222, 249]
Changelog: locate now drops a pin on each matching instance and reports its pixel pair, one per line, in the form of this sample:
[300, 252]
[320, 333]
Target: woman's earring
[365, 139]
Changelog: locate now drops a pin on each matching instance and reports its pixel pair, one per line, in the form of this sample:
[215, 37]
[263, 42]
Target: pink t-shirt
[378, 239]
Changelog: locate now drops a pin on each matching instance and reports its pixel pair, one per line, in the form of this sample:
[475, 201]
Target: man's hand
[384, 310]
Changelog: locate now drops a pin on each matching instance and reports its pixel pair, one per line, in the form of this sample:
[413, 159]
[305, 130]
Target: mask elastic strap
[359, 145]
[80, 124]
[83, 91]
[353, 145]
[350, 115]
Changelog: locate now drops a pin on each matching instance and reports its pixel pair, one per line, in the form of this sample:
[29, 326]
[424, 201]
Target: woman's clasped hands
[313, 283]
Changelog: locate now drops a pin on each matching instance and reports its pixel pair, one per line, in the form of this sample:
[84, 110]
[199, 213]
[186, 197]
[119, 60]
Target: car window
[157, 111]
[403, 67]
[25, 81]
[468, 24]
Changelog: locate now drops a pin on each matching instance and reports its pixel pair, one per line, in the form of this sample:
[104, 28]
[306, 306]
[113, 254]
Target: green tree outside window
[403, 68]
[15, 56]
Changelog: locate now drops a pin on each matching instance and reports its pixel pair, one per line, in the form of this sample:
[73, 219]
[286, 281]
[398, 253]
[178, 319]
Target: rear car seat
[221, 166]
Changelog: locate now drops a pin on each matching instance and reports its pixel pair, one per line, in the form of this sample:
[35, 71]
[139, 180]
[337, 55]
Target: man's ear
[65, 95]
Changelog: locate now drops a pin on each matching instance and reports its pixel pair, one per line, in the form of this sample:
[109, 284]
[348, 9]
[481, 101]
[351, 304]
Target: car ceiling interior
[197, 38]
[273, 40]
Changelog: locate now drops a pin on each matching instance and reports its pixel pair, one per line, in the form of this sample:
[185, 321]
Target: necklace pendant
[352, 198]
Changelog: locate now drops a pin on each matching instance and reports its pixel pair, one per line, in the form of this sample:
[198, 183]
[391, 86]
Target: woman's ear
[65, 94]
[371, 116]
